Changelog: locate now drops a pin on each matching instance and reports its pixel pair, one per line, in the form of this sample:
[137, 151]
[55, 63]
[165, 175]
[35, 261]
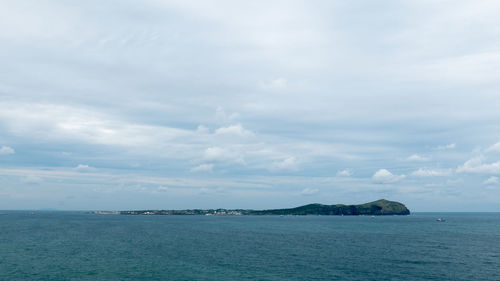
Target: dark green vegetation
[376, 208]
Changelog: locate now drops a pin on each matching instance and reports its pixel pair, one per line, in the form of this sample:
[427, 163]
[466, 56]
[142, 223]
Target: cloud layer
[221, 102]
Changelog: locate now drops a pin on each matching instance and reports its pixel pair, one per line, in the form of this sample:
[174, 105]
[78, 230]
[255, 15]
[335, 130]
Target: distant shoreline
[376, 208]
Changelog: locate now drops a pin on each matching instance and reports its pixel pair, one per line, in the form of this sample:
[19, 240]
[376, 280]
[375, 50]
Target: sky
[118, 104]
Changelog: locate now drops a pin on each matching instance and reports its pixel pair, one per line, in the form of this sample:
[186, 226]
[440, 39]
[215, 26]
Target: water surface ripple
[79, 246]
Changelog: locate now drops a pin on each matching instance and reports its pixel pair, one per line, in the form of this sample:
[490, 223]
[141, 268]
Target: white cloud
[447, 146]
[234, 130]
[345, 173]
[162, 188]
[216, 153]
[288, 164]
[83, 168]
[491, 181]
[203, 168]
[495, 147]
[309, 191]
[384, 176]
[423, 172]
[202, 130]
[55, 122]
[4, 150]
[417, 158]
[223, 117]
[476, 165]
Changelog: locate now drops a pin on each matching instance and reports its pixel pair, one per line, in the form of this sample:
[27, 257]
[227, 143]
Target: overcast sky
[249, 104]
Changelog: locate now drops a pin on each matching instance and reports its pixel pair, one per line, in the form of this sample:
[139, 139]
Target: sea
[58, 245]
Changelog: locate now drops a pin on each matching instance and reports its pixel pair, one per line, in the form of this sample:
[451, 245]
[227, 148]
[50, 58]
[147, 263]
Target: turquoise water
[79, 246]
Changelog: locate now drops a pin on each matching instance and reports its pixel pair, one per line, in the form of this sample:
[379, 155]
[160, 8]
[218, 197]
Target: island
[376, 208]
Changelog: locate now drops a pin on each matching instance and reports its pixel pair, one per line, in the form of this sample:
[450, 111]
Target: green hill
[379, 207]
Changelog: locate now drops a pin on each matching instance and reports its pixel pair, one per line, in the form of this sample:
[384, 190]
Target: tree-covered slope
[379, 207]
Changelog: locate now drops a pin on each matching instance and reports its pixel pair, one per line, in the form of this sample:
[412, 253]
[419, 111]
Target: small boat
[441, 220]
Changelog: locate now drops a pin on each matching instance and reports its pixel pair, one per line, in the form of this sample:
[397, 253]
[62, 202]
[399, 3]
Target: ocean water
[80, 246]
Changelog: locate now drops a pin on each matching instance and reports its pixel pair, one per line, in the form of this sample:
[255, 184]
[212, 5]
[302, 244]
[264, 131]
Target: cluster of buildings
[224, 212]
